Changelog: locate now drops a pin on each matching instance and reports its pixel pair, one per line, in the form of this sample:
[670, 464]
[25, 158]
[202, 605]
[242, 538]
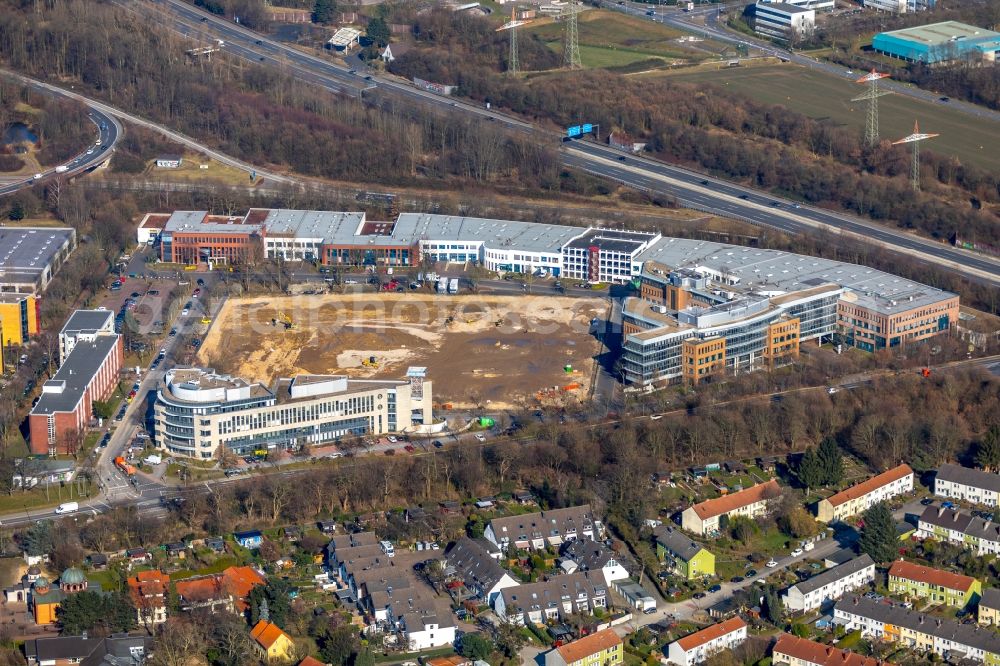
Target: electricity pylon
[915, 139]
[513, 64]
[571, 53]
[871, 96]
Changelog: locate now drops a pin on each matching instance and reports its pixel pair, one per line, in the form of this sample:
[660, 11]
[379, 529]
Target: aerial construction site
[505, 351]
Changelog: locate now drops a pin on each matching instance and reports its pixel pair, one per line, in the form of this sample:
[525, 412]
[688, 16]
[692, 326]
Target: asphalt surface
[716, 197]
[108, 131]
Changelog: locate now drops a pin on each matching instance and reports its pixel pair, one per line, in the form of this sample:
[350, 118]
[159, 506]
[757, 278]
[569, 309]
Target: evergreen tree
[270, 602]
[476, 646]
[38, 540]
[878, 536]
[378, 32]
[831, 461]
[364, 658]
[324, 11]
[773, 609]
[809, 470]
[96, 612]
[988, 450]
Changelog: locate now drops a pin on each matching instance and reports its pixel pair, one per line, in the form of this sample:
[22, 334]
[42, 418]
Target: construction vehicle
[124, 466]
[286, 321]
[370, 362]
[926, 372]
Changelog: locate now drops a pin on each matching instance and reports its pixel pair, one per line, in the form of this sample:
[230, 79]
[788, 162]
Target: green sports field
[971, 140]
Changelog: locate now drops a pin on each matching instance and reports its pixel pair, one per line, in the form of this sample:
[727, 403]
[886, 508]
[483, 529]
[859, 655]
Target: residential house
[552, 599]
[538, 530]
[327, 527]
[830, 584]
[309, 660]
[250, 539]
[216, 544]
[97, 561]
[137, 556]
[948, 639]
[341, 544]
[478, 570]
[271, 643]
[979, 535]
[223, 591]
[114, 650]
[970, 485]
[176, 550]
[595, 556]
[697, 647]
[524, 497]
[602, 648]
[703, 518]
[148, 590]
[423, 630]
[940, 587]
[989, 607]
[681, 555]
[794, 651]
[860, 497]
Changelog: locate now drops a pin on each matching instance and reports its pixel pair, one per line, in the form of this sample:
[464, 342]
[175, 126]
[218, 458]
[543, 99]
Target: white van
[68, 507]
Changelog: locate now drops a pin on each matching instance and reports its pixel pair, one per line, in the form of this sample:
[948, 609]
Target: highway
[705, 21]
[109, 130]
[689, 187]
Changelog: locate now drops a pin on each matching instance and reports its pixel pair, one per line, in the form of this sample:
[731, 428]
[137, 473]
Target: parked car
[797, 552]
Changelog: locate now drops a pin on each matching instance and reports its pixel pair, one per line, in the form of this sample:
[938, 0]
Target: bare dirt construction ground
[477, 348]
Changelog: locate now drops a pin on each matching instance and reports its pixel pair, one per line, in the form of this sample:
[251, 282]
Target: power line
[571, 54]
[871, 96]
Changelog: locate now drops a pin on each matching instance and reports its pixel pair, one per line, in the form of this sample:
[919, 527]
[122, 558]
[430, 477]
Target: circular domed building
[33, 573]
[41, 585]
[72, 580]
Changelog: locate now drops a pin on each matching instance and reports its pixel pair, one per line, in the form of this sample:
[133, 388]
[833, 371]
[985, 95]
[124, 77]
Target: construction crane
[513, 64]
[871, 96]
[915, 139]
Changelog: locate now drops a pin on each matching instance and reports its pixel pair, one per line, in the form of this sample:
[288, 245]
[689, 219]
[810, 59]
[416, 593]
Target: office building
[697, 647]
[537, 531]
[914, 581]
[84, 325]
[968, 485]
[90, 372]
[703, 518]
[950, 640]
[794, 651]
[939, 43]
[891, 6]
[704, 308]
[19, 318]
[30, 257]
[198, 411]
[979, 535]
[859, 498]
[783, 21]
[829, 585]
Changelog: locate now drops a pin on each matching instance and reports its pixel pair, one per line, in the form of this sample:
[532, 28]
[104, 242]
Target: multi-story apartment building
[535, 531]
[857, 499]
[553, 599]
[198, 411]
[731, 308]
[948, 639]
[703, 518]
[830, 585]
[602, 648]
[148, 590]
[988, 612]
[939, 587]
[89, 373]
[683, 556]
[697, 647]
[794, 651]
[968, 485]
[979, 535]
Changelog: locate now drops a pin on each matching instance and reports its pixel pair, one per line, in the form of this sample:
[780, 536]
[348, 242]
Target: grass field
[610, 39]
[820, 96]
[190, 169]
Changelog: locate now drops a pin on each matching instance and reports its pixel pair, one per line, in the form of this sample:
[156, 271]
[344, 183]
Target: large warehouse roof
[496, 234]
[938, 42]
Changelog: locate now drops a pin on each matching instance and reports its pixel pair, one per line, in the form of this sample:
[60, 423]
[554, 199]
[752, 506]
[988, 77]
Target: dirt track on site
[470, 359]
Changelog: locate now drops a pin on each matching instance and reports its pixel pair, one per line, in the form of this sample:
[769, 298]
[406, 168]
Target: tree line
[60, 125]
[718, 130]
